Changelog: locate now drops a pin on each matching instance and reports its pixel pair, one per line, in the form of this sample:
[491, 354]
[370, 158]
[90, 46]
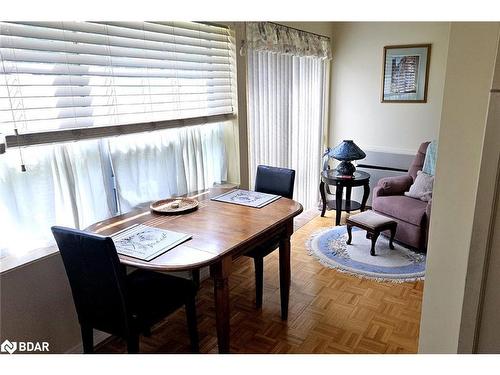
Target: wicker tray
[173, 206]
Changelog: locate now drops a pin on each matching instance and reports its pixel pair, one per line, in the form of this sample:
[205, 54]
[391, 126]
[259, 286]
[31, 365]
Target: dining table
[220, 233]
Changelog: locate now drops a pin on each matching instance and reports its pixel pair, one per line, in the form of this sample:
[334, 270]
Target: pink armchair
[412, 215]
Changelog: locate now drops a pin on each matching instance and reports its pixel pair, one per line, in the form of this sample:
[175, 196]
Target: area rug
[398, 265]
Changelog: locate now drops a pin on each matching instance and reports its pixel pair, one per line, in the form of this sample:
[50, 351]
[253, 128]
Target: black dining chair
[109, 300]
[271, 180]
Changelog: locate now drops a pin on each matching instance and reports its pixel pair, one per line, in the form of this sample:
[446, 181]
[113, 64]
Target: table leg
[339, 192]
[366, 193]
[323, 197]
[391, 241]
[285, 274]
[220, 273]
[348, 190]
[195, 276]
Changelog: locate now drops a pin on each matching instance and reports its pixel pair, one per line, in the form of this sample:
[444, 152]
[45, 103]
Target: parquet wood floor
[329, 312]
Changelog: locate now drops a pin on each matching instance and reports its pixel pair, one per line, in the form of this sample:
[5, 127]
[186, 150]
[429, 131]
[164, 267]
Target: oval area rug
[398, 265]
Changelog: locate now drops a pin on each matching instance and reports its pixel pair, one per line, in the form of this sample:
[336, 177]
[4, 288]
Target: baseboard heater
[380, 164]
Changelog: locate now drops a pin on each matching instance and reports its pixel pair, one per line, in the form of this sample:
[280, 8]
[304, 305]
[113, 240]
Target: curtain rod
[213, 24]
[299, 30]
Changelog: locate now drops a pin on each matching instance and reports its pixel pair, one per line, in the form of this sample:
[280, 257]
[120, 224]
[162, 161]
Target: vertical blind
[287, 116]
[66, 75]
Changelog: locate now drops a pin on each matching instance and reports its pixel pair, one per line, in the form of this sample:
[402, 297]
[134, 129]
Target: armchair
[412, 215]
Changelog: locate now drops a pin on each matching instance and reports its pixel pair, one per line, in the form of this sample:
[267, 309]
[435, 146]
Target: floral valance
[268, 36]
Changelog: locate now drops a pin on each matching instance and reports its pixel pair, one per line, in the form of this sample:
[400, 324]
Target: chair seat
[371, 219]
[154, 295]
[402, 207]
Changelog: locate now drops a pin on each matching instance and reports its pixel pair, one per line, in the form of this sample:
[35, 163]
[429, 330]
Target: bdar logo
[24, 346]
[9, 347]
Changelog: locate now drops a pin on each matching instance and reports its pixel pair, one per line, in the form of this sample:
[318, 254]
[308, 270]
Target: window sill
[10, 262]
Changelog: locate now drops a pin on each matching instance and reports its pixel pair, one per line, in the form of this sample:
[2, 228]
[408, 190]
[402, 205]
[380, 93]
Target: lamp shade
[347, 151]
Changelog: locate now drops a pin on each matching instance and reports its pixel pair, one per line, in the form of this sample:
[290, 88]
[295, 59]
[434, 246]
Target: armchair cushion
[422, 187]
[394, 185]
[404, 208]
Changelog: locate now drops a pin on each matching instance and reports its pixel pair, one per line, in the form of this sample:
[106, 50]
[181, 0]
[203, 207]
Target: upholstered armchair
[411, 214]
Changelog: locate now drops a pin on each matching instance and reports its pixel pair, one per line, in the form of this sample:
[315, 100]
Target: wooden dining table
[220, 233]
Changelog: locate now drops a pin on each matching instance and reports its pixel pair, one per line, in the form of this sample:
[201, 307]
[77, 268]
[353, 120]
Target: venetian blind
[67, 75]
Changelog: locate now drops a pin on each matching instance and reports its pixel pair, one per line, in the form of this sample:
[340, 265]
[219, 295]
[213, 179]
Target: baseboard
[99, 337]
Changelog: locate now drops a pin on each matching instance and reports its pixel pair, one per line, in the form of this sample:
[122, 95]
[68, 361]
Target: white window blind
[66, 75]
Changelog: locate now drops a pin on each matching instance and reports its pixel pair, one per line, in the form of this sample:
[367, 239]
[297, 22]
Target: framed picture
[406, 73]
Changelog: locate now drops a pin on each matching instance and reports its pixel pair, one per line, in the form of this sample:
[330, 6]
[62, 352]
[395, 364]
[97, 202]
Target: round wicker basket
[174, 206]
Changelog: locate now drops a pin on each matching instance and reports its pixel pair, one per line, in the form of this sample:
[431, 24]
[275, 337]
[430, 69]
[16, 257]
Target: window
[288, 82]
[76, 184]
[95, 83]
[66, 75]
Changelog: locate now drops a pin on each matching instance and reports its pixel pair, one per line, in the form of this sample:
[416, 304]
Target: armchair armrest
[393, 185]
[378, 191]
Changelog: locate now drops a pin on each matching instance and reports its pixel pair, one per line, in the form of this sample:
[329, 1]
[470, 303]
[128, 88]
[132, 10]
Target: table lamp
[346, 152]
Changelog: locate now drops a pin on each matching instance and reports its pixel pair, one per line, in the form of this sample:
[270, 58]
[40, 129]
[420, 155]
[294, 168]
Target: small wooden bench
[373, 223]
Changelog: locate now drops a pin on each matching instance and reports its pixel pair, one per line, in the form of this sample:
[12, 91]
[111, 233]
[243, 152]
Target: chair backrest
[97, 279]
[418, 162]
[273, 180]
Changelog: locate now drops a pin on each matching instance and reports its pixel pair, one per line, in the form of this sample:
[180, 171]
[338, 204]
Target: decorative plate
[174, 206]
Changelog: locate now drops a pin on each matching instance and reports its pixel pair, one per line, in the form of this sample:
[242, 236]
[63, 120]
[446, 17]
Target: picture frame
[405, 75]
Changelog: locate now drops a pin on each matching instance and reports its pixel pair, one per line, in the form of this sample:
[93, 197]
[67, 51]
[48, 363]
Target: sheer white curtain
[161, 164]
[70, 184]
[96, 77]
[287, 114]
[64, 184]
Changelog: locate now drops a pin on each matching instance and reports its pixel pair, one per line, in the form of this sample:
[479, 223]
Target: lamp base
[346, 168]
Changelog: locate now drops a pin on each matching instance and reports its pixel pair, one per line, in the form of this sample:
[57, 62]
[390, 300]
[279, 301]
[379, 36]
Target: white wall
[489, 325]
[356, 111]
[36, 305]
[482, 249]
[469, 72]
[486, 235]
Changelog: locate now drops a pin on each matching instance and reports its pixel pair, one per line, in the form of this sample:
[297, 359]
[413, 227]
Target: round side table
[331, 177]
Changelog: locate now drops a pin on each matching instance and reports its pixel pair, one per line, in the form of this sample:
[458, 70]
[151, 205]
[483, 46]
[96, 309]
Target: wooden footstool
[373, 223]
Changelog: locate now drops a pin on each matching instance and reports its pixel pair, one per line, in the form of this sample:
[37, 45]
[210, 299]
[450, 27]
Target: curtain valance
[268, 36]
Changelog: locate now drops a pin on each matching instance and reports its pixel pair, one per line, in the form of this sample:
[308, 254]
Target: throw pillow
[422, 187]
[430, 158]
